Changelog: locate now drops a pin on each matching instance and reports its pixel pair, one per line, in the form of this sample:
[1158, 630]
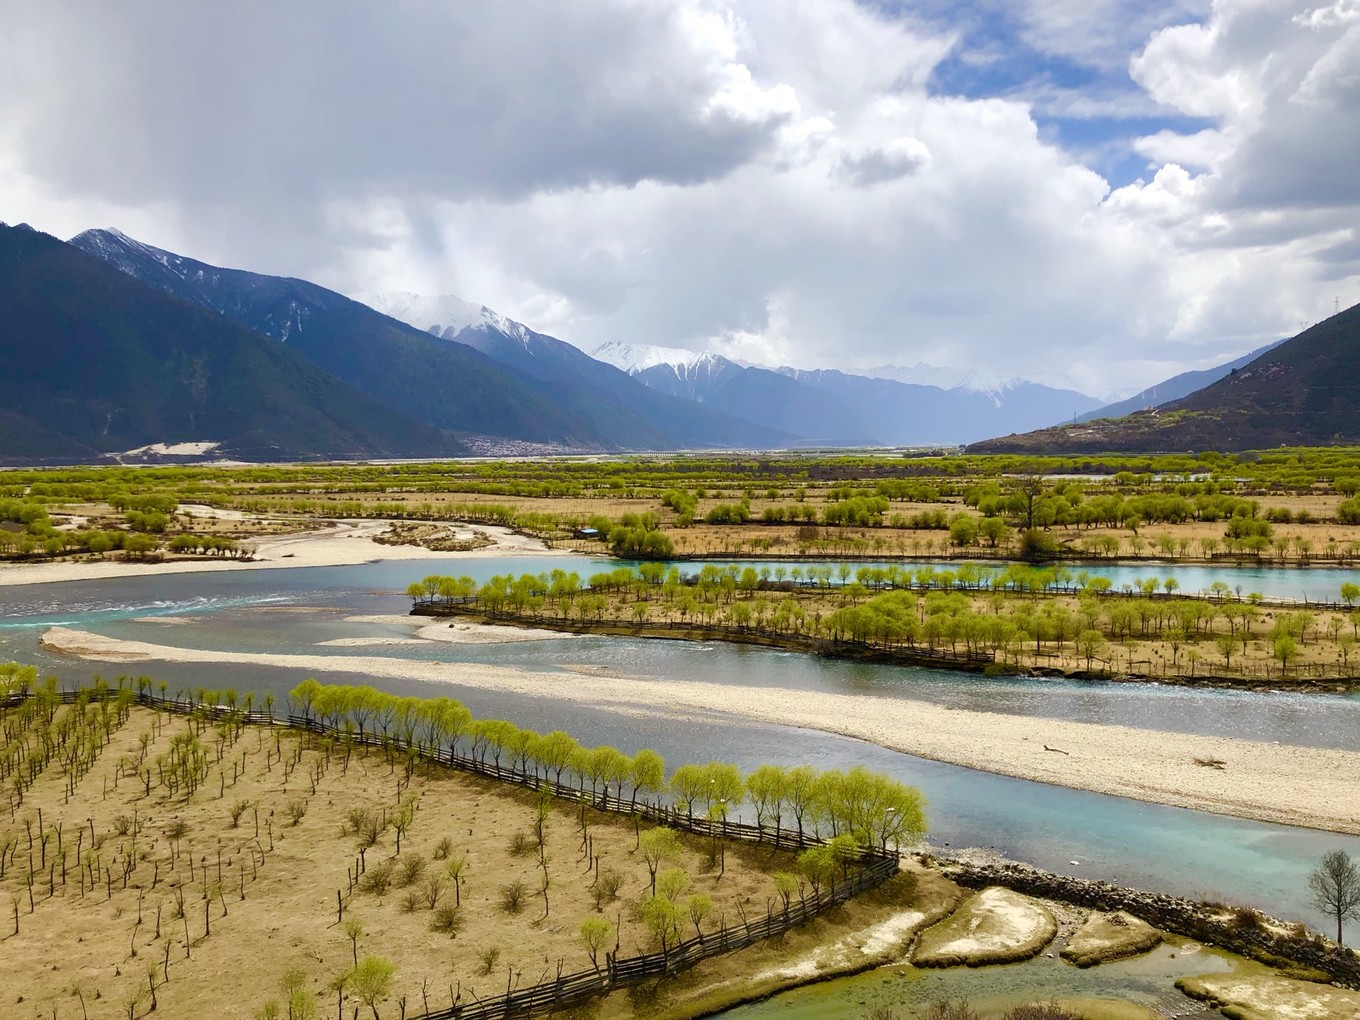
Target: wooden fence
[873, 866]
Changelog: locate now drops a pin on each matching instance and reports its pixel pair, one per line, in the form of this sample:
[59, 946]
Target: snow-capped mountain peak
[438, 313]
[634, 358]
[116, 247]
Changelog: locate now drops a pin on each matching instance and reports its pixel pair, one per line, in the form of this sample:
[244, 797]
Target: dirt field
[210, 913]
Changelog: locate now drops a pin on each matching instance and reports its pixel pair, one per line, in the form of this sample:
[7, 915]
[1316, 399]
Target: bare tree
[1335, 885]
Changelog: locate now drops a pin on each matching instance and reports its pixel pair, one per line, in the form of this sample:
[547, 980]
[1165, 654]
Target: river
[1086, 834]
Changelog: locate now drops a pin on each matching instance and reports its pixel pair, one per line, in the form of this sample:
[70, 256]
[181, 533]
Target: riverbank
[338, 543]
[1317, 788]
[899, 656]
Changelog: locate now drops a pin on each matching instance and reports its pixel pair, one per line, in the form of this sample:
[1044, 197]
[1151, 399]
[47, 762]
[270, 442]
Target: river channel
[1069, 831]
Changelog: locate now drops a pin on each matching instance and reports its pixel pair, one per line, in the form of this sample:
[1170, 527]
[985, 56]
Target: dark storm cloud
[259, 101]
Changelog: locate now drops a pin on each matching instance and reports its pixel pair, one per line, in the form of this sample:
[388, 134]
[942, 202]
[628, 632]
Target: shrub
[434, 889]
[522, 844]
[296, 809]
[944, 1009]
[1246, 919]
[378, 879]
[237, 810]
[366, 825]
[488, 958]
[1041, 1011]
[606, 888]
[512, 897]
[412, 867]
[447, 920]
[410, 903]
[443, 848]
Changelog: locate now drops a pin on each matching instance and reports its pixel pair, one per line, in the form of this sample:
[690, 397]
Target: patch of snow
[443, 315]
[634, 358]
[197, 449]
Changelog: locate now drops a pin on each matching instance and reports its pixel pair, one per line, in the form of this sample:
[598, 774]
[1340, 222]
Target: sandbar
[1308, 786]
[339, 543]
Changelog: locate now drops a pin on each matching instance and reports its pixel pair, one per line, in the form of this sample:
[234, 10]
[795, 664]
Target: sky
[1092, 193]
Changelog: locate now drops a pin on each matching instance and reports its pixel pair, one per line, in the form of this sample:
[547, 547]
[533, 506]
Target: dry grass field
[117, 888]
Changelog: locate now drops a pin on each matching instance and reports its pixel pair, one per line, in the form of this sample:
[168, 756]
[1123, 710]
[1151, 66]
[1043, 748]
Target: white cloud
[771, 180]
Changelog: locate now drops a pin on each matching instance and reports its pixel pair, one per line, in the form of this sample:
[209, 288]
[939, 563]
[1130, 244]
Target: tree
[658, 845]
[1090, 645]
[371, 980]
[662, 918]
[1335, 888]
[648, 773]
[595, 935]
[1285, 649]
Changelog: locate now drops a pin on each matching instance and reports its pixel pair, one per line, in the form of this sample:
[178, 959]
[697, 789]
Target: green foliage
[371, 980]
[595, 935]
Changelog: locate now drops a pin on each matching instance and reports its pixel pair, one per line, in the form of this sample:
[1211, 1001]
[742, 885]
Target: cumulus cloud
[779, 182]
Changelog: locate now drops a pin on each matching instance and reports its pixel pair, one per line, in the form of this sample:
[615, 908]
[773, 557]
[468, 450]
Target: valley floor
[1313, 787]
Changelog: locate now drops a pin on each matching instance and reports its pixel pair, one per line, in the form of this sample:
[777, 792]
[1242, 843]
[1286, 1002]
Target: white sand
[1314, 787]
[456, 632]
[338, 544]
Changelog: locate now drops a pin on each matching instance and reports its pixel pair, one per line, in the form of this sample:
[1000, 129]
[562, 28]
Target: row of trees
[875, 810]
[973, 611]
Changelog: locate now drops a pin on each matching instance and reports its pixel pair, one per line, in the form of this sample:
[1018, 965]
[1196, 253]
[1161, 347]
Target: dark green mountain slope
[1304, 392]
[97, 362]
[1175, 388]
[440, 381]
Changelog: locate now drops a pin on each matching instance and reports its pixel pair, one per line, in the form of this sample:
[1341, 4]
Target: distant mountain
[1302, 392]
[1176, 387]
[933, 415]
[611, 400]
[816, 417]
[97, 362]
[447, 385]
[838, 408]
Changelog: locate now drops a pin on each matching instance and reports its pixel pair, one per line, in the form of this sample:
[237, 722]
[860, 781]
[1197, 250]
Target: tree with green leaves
[371, 981]
[595, 935]
[658, 846]
[647, 773]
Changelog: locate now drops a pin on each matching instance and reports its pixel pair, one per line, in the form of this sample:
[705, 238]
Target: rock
[1107, 937]
[994, 926]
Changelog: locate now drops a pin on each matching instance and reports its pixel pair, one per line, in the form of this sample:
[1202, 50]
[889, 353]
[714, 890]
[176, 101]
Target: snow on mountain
[433, 313]
[635, 358]
[116, 247]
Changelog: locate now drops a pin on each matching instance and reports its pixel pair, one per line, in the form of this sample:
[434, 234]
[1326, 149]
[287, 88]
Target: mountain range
[1303, 391]
[838, 408]
[119, 346]
[96, 361]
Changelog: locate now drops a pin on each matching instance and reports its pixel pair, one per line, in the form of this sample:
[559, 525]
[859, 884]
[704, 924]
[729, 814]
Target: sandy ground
[995, 926]
[1314, 787]
[1253, 993]
[339, 544]
[456, 632]
[277, 905]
